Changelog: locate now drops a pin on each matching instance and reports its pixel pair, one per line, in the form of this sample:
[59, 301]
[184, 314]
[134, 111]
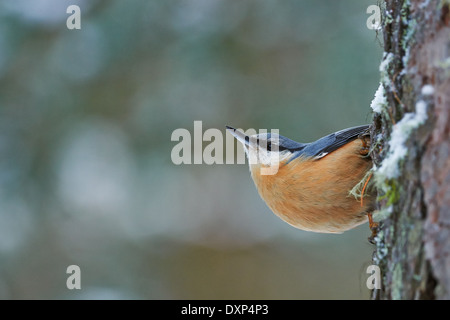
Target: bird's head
[266, 149]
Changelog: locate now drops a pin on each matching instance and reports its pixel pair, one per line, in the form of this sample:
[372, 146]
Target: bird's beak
[240, 136]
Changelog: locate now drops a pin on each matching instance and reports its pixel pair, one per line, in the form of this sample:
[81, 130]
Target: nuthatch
[310, 189]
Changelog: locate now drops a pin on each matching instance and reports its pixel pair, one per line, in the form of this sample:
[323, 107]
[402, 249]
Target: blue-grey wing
[331, 142]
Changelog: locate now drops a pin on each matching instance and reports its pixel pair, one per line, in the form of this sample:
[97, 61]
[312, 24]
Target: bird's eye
[269, 146]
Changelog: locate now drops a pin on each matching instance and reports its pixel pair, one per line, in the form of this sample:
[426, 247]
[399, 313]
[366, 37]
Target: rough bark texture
[413, 244]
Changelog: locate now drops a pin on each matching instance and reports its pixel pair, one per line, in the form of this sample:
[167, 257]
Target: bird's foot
[374, 227]
[365, 147]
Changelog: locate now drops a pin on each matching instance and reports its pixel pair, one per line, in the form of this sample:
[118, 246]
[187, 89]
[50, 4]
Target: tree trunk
[411, 152]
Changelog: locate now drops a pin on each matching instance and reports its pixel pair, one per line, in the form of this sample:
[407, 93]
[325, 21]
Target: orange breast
[314, 195]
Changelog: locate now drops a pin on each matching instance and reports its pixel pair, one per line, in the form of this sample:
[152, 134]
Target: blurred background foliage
[86, 118]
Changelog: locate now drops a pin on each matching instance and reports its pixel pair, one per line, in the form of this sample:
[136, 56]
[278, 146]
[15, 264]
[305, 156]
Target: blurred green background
[86, 118]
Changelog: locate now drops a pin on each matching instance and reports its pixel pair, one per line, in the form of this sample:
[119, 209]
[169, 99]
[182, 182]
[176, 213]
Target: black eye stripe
[268, 145]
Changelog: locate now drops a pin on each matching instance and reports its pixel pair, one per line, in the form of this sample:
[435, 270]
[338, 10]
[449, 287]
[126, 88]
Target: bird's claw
[374, 227]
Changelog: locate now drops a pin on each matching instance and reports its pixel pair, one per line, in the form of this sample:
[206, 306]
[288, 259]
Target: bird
[309, 188]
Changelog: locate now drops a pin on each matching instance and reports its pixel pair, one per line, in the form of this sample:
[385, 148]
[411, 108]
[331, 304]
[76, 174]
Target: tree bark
[413, 241]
